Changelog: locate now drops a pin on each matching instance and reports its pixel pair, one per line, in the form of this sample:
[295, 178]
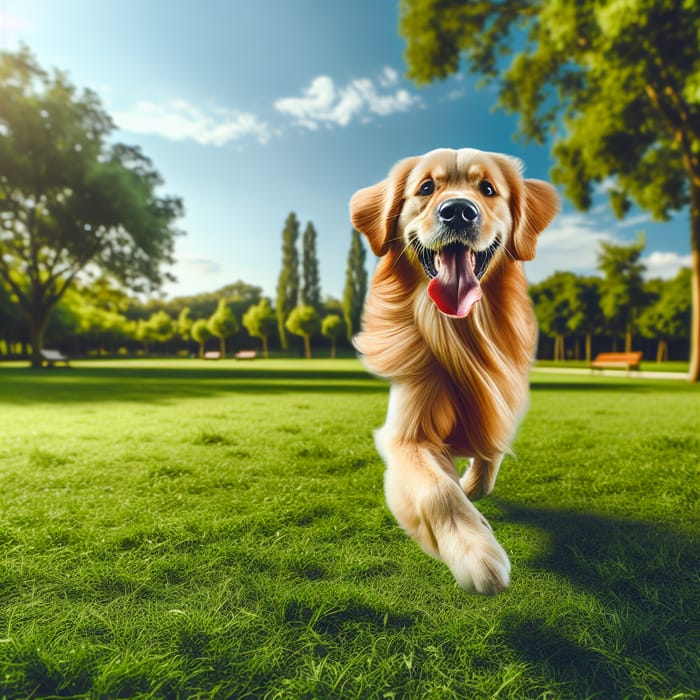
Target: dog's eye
[487, 189]
[427, 188]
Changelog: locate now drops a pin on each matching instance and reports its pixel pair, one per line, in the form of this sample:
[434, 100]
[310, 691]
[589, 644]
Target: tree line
[614, 310]
[100, 317]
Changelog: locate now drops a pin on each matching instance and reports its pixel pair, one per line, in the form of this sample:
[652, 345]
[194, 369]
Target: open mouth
[455, 271]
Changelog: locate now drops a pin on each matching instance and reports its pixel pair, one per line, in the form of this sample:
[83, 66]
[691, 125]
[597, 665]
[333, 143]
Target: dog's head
[455, 214]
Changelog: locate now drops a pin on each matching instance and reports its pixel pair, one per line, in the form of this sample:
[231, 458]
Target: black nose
[458, 213]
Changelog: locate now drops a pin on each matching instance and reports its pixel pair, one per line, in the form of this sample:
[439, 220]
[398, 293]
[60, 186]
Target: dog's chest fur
[466, 380]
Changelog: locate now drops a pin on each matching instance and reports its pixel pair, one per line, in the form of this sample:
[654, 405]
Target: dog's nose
[458, 212]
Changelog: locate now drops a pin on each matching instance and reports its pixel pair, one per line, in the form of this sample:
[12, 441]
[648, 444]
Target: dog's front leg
[424, 494]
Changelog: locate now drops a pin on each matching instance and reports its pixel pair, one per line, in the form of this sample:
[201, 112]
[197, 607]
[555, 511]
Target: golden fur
[459, 386]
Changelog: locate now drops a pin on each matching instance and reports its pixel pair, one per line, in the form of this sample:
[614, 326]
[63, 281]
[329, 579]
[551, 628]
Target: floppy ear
[533, 204]
[540, 205]
[374, 210]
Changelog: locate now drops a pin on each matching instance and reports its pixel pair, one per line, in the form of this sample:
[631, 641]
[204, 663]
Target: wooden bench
[212, 355]
[246, 355]
[617, 360]
[51, 357]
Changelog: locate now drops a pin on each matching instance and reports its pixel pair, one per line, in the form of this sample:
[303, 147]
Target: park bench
[246, 355]
[212, 355]
[51, 357]
[617, 360]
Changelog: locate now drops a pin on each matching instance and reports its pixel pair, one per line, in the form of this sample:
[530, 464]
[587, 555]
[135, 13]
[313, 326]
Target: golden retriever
[449, 322]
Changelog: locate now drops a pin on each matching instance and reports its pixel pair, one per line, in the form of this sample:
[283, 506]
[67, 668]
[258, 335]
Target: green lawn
[218, 530]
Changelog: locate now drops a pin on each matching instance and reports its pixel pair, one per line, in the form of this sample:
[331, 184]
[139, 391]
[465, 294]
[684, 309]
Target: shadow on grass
[644, 631]
[165, 384]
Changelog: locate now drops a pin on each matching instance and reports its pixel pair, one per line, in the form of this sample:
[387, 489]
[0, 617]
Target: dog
[449, 322]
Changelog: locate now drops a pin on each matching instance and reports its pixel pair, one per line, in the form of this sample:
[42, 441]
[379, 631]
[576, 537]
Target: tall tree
[223, 324]
[587, 317]
[288, 280]
[69, 199]
[260, 322]
[622, 288]
[311, 281]
[614, 84]
[667, 317]
[554, 307]
[331, 327]
[304, 321]
[355, 285]
[200, 334]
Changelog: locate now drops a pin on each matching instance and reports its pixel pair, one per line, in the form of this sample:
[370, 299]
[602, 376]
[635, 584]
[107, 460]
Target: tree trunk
[694, 369]
[588, 347]
[37, 324]
[222, 346]
[264, 344]
[307, 347]
[661, 350]
[333, 348]
[628, 338]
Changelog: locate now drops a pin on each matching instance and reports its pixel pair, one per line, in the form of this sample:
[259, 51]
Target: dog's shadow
[642, 585]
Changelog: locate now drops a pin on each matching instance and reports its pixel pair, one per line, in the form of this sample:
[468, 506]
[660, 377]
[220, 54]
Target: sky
[252, 110]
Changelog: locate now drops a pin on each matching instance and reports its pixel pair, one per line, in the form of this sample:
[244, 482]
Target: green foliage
[355, 289]
[622, 293]
[311, 280]
[69, 198]
[261, 322]
[223, 324]
[184, 324]
[288, 280]
[304, 321]
[668, 314]
[201, 333]
[332, 327]
[177, 529]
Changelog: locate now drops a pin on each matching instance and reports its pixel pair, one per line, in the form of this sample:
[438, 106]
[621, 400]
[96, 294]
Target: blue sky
[251, 110]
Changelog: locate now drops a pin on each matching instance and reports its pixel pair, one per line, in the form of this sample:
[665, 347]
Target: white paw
[475, 557]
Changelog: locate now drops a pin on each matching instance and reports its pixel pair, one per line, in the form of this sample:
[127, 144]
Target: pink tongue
[455, 289]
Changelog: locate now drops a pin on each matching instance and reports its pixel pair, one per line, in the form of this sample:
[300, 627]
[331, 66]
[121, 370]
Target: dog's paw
[476, 559]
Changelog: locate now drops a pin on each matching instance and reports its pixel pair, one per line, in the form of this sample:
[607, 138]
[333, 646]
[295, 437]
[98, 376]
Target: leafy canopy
[615, 83]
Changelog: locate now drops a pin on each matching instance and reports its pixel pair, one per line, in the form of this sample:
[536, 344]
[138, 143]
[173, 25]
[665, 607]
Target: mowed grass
[184, 529]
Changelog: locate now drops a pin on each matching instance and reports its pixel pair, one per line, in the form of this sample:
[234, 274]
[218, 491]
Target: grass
[184, 529]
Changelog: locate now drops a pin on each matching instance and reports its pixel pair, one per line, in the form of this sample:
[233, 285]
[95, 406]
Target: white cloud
[178, 120]
[664, 264]
[571, 243]
[324, 103]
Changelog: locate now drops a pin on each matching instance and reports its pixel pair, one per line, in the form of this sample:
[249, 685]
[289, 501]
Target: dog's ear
[533, 204]
[374, 210]
[540, 207]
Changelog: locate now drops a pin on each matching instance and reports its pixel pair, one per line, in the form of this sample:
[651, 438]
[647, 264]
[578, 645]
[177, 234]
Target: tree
[311, 281]
[223, 324]
[184, 324]
[260, 321]
[614, 84]
[304, 321]
[201, 333]
[622, 293]
[355, 285]
[162, 326]
[587, 317]
[68, 199]
[288, 280]
[331, 328]
[669, 315]
[555, 305]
